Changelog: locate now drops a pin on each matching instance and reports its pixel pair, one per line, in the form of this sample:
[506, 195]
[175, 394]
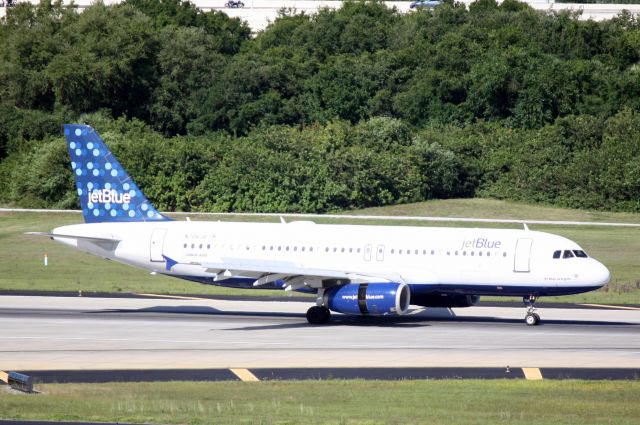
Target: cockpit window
[570, 253]
[580, 253]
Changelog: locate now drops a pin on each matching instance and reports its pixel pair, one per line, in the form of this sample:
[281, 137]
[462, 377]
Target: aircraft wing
[294, 275]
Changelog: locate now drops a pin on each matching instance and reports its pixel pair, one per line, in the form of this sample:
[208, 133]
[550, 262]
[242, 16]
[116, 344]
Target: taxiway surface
[54, 333]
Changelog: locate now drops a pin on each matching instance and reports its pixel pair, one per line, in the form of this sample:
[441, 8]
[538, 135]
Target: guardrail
[258, 13]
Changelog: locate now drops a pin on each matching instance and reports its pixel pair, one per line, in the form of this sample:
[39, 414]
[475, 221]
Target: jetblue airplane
[352, 269]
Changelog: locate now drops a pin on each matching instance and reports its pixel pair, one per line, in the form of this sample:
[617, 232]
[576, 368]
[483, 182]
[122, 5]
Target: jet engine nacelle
[445, 300]
[369, 299]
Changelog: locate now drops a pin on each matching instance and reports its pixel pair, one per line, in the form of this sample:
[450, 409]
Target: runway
[78, 333]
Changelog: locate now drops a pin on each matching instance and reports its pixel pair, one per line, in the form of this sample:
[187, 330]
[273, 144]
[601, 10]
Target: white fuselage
[447, 260]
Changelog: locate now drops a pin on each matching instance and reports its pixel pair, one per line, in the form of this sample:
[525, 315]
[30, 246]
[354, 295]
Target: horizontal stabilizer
[78, 237]
[170, 262]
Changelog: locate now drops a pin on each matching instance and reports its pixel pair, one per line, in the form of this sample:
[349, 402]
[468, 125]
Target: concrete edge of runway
[321, 374]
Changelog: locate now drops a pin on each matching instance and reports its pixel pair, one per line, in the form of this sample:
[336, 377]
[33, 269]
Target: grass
[21, 256]
[334, 402]
[491, 208]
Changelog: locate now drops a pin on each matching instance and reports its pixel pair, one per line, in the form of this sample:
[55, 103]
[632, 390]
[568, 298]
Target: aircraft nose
[600, 274]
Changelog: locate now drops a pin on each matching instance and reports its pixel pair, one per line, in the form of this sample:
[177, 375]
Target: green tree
[107, 60]
[227, 34]
[188, 65]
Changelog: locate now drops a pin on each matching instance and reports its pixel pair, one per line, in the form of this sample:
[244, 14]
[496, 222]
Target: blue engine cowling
[369, 299]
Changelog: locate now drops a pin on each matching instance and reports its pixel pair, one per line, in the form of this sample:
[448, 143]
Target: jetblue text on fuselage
[369, 297]
[481, 243]
[108, 196]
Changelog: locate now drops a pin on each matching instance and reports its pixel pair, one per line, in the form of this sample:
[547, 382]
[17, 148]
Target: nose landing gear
[532, 318]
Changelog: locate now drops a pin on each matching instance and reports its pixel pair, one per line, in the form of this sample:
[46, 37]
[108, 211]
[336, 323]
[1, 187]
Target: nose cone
[600, 274]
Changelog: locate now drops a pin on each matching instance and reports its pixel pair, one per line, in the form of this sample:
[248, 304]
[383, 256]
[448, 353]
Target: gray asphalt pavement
[42, 333]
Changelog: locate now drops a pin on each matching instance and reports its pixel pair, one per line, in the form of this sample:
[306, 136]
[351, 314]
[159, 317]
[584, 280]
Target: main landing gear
[532, 318]
[319, 314]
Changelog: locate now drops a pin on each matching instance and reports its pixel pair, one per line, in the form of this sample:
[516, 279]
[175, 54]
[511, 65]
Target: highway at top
[258, 13]
[54, 333]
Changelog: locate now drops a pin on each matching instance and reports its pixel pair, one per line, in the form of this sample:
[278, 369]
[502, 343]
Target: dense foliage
[347, 108]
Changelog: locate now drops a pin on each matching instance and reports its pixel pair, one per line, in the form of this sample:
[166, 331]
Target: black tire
[318, 315]
[315, 315]
[532, 319]
[327, 315]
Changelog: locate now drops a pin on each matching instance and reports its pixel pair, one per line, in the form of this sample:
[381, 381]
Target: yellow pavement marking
[172, 297]
[4, 377]
[245, 375]
[532, 373]
[612, 306]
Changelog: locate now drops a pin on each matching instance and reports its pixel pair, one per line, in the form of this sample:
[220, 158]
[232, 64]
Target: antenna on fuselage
[526, 228]
[282, 220]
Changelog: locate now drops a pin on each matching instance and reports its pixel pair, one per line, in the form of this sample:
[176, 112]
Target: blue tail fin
[107, 193]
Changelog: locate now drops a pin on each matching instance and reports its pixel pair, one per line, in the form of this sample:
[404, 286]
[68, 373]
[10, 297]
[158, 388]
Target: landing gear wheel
[532, 319]
[318, 315]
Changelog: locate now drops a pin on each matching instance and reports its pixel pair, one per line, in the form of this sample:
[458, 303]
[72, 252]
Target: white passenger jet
[358, 270]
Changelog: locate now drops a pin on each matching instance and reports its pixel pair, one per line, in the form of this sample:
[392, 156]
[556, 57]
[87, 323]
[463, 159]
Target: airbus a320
[365, 270]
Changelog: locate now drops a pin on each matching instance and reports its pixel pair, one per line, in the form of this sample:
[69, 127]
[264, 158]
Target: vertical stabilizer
[107, 193]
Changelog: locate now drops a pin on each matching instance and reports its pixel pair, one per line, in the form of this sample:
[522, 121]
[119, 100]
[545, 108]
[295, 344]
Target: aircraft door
[522, 258]
[380, 253]
[156, 244]
[367, 253]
